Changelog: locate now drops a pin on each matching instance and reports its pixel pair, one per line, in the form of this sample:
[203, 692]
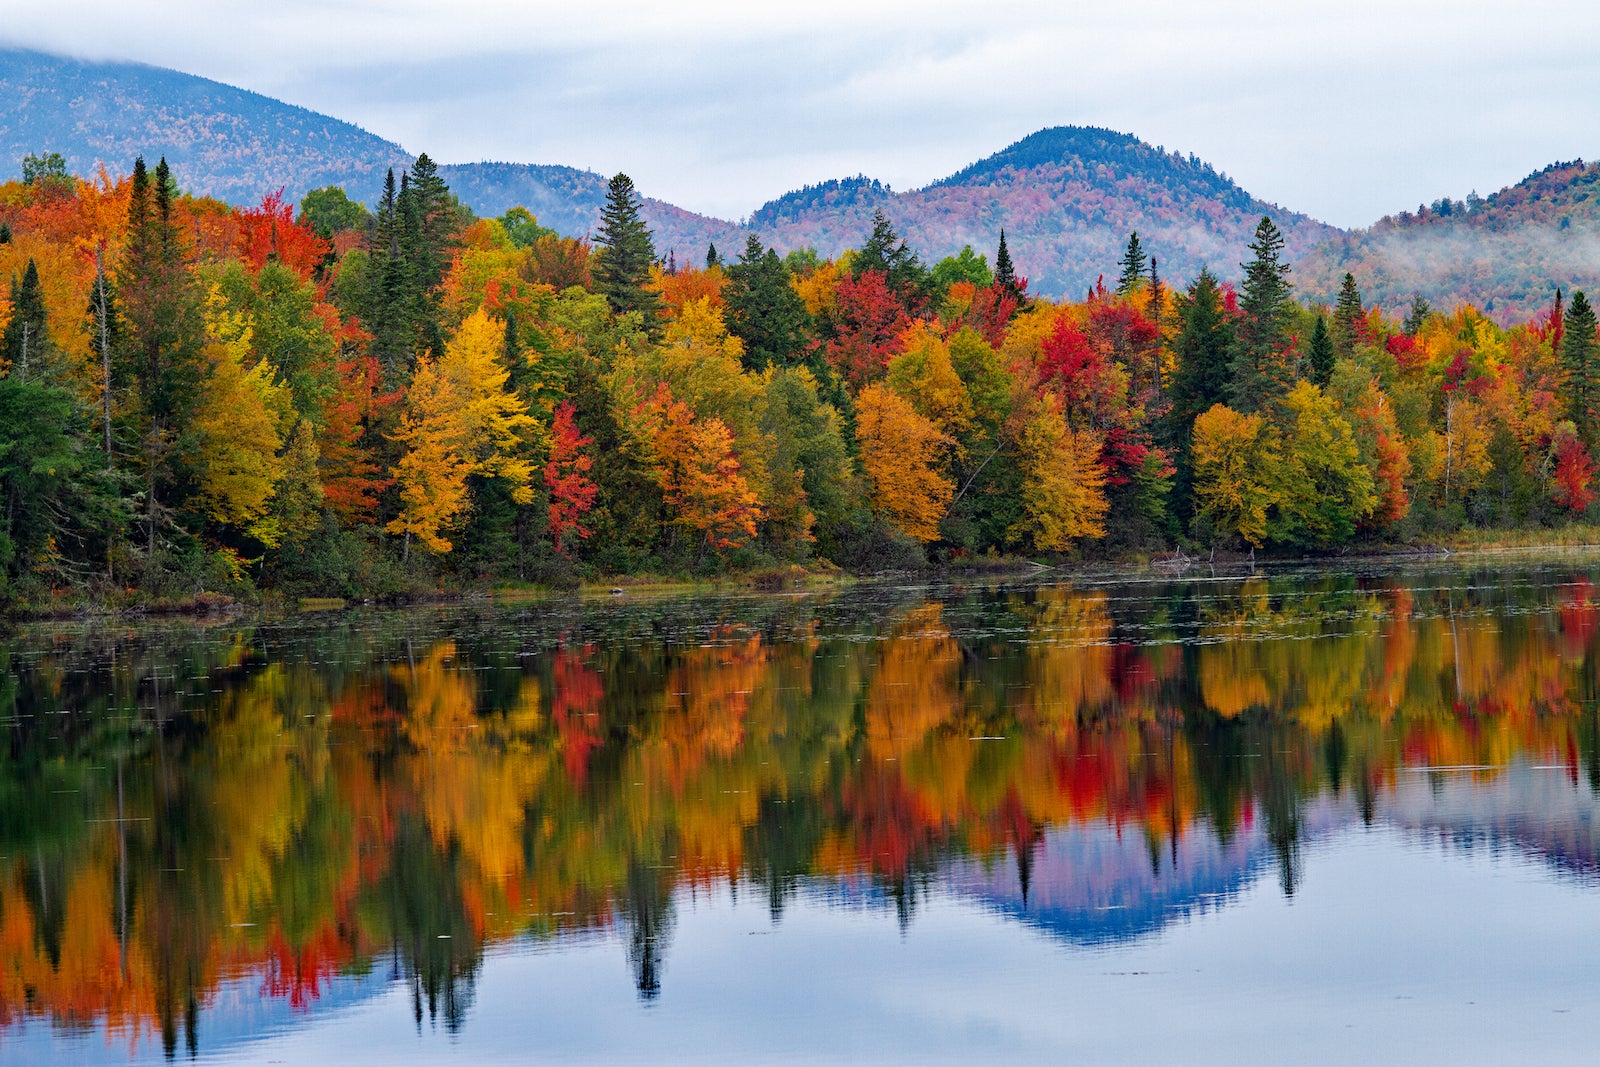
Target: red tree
[566, 476]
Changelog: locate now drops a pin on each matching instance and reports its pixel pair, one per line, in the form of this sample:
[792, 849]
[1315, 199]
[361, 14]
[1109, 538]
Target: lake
[1297, 815]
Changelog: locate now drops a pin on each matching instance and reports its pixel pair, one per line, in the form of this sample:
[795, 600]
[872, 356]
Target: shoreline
[799, 579]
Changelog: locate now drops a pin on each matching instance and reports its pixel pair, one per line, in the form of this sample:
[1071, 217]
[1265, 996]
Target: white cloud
[1346, 110]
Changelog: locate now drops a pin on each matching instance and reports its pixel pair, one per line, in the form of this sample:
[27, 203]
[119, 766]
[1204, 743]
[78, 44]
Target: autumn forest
[329, 400]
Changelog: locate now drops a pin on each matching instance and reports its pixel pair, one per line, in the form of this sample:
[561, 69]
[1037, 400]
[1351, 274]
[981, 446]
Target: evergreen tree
[1005, 274]
[105, 335]
[885, 252]
[1258, 364]
[622, 270]
[1201, 378]
[1320, 356]
[5, 233]
[388, 294]
[712, 258]
[1347, 318]
[1416, 316]
[1580, 372]
[763, 310]
[26, 344]
[162, 312]
[1133, 260]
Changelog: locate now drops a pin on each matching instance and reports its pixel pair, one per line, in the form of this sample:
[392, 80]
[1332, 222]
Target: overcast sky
[1344, 109]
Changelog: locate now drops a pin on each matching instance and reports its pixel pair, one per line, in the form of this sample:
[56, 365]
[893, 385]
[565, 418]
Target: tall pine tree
[763, 310]
[1258, 363]
[1320, 354]
[162, 312]
[1579, 370]
[1005, 274]
[1133, 260]
[26, 346]
[1348, 316]
[622, 270]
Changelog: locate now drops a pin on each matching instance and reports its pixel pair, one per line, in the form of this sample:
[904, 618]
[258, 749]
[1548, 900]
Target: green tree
[1320, 353]
[1416, 316]
[1258, 361]
[966, 266]
[884, 251]
[26, 346]
[1322, 488]
[166, 336]
[622, 270]
[1133, 261]
[59, 506]
[1348, 315]
[1202, 346]
[47, 172]
[1578, 365]
[763, 309]
[523, 229]
[329, 210]
[813, 489]
[1005, 273]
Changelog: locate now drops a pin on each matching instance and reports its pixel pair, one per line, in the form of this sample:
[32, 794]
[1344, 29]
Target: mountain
[1506, 254]
[1067, 198]
[220, 141]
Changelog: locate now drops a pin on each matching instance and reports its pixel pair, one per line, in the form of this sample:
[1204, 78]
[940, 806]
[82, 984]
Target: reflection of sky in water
[1389, 952]
[1451, 930]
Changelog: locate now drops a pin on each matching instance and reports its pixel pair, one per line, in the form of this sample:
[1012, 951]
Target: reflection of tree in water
[435, 946]
[647, 913]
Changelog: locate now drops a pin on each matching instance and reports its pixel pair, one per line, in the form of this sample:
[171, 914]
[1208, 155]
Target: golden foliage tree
[901, 453]
[1063, 483]
[461, 420]
[1235, 459]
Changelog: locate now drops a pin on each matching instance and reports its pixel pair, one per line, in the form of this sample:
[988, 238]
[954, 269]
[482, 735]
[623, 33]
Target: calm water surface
[1297, 816]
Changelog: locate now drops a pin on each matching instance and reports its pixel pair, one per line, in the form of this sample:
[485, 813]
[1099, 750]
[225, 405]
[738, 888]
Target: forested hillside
[1067, 198]
[1506, 253]
[226, 142]
[195, 396]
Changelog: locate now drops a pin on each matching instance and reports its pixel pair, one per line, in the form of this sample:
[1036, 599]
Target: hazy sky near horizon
[1344, 109]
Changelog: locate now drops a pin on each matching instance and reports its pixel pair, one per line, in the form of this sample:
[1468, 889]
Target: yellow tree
[1235, 458]
[925, 376]
[460, 421]
[239, 423]
[901, 453]
[1063, 483]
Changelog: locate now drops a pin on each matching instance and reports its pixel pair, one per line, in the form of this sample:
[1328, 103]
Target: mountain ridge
[1067, 196]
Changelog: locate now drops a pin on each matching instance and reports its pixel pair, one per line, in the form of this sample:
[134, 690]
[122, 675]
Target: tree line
[323, 398]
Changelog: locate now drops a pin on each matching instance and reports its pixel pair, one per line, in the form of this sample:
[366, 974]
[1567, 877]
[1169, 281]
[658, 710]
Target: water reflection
[190, 812]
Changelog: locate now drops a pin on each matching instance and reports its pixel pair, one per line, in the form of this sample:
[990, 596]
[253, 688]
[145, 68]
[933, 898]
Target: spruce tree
[1578, 365]
[1133, 260]
[1320, 356]
[763, 310]
[162, 312]
[622, 270]
[1201, 378]
[712, 258]
[5, 233]
[26, 343]
[1416, 316]
[903, 271]
[1005, 274]
[1260, 371]
[1201, 348]
[1347, 318]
